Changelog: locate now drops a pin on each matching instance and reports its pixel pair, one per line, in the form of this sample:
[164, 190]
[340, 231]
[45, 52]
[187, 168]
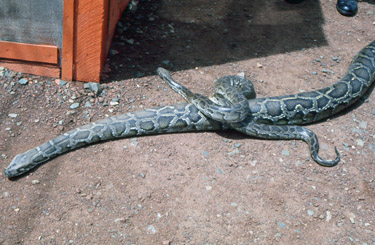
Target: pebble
[310, 212]
[74, 105]
[134, 142]
[88, 104]
[95, 87]
[219, 171]
[352, 220]
[35, 182]
[241, 74]
[152, 229]
[23, 81]
[13, 115]
[328, 216]
[285, 153]
[123, 220]
[236, 151]
[314, 73]
[363, 124]
[62, 83]
[208, 187]
[360, 142]
[282, 225]
[205, 154]
[113, 103]
[324, 70]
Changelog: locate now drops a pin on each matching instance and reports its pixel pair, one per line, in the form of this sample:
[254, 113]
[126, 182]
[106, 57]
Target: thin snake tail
[167, 119]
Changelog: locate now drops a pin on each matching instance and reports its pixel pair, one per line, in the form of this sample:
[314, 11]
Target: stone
[23, 81]
[74, 105]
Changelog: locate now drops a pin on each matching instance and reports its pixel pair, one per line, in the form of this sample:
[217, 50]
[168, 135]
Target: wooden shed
[69, 39]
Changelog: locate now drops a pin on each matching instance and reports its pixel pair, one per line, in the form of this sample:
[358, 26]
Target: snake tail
[167, 119]
[285, 132]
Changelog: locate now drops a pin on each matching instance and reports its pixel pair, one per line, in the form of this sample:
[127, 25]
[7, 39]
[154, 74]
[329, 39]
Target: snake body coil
[272, 117]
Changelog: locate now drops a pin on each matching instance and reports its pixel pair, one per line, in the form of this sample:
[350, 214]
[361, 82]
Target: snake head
[21, 164]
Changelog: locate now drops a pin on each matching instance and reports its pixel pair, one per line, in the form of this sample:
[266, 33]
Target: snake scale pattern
[270, 118]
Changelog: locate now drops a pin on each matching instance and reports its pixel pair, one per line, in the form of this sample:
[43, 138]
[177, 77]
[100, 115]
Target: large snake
[270, 118]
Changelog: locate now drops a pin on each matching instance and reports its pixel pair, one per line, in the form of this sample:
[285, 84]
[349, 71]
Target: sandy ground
[196, 188]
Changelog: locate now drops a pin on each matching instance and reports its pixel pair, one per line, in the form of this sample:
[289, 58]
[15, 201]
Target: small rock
[360, 142]
[88, 104]
[259, 65]
[241, 74]
[310, 212]
[205, 154]
[142, 175]
[352, 220]
[152, 229]
[35, 182]
[324, 70]
[236, 151]
[13, 115]
[208, 187]
[285, 153]
[62, 83]
[74, 105]
[328, 216]
[282, 225]
[363, 124]
[134, 142]
[95, 87]
[113, 103]
[122, 220]
[130, 41]
[23, 81]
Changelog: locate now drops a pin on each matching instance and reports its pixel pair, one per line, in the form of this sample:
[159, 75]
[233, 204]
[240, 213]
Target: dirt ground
[196, 188]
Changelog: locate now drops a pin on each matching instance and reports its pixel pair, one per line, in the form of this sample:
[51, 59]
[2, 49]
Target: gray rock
[285, 153]
[74, 105]
[23, 81]
[151, 229]
[95, 87]
[88, 104]
[281, 224]
[62, 83]
[363, 124]
[13, 115]
[205, 154]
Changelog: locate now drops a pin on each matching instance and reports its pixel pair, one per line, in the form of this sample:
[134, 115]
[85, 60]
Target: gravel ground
[196, 188]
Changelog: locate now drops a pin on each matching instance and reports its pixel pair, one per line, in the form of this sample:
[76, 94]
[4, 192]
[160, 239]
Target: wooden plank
[91, 32]
[67, 65]
[32, 68]
[29, 52]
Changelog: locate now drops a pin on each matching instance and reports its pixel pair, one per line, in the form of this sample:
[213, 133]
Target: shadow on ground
[186, 34]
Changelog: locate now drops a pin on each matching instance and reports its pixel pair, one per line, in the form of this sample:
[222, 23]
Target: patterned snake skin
[271, 118]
